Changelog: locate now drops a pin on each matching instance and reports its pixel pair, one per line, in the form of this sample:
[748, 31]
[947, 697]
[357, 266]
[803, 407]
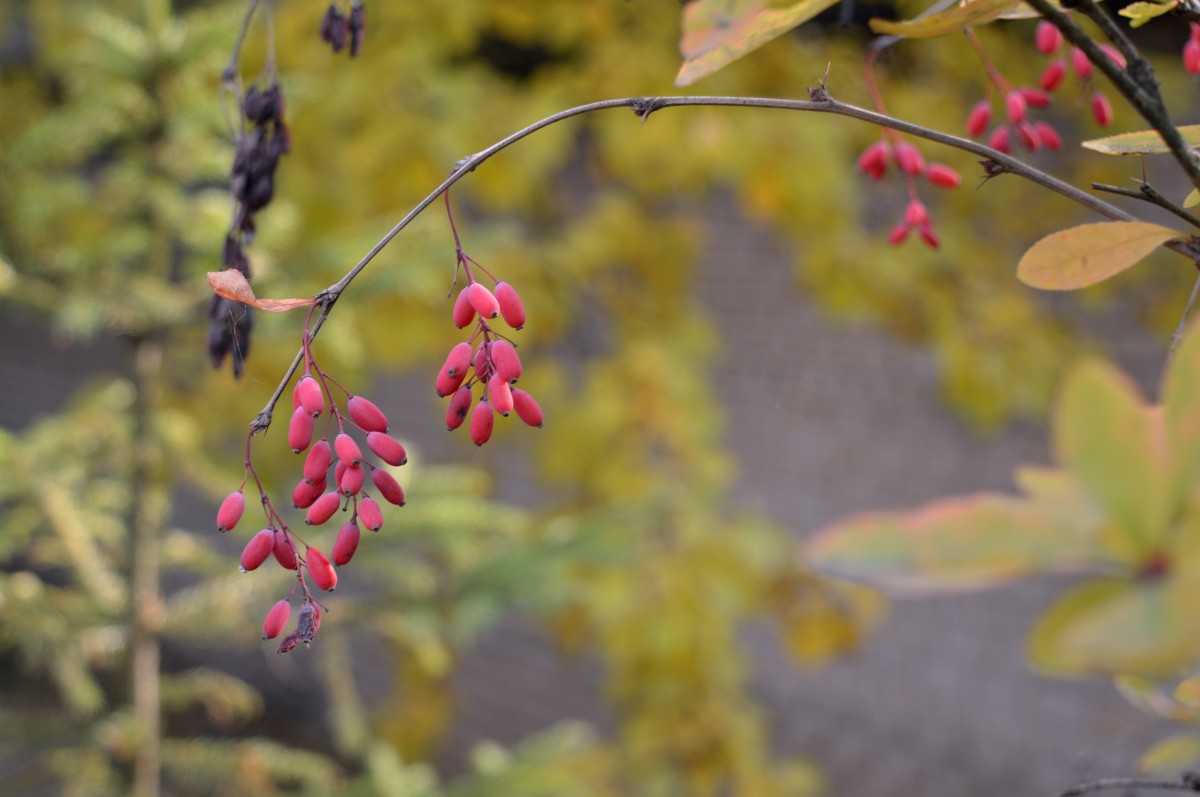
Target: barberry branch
[1150, 194]
[1189, 782]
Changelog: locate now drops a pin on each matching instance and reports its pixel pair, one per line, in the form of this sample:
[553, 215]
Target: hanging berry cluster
[490, 355]
[342, 30]
[313, 399]
[1049, 41]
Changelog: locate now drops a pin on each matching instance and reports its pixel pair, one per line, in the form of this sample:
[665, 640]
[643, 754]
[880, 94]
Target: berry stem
[995, 77]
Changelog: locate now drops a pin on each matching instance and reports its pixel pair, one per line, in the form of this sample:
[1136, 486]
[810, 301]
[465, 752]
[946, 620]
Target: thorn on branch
[260, 422]
[644, 106]
[993, 168]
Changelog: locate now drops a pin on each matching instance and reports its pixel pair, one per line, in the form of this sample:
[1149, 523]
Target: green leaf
[1118, 626]
[978, 12]
[1090, 253]
[1172, 753]
[1142, 12]
[1142, 142]
[718, 32]
[1115, 444]
[1192, 199]
[955, 544]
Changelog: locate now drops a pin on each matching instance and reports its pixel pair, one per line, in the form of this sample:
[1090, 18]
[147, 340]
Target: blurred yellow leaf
[1171, 753]
[1141, 142]
[977, 12]
[1142, 12]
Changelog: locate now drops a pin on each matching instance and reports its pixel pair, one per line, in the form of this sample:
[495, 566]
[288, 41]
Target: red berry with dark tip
[482, 300]
[231, 511]
[352, 479]
[368, 416]
[347, 450]
[323, 508]
[370, 514]
[387, 448]
[511, 309]
[388, 487]
[506, 361]
[311, 397]
[526, 408]
[500, 395]
[300, 430]
[277, 619]
[317, 463]
[460, 404]
[307, 492]
[285, 554]
[454, 370]
[464, 313]
[483, 420]
[257, 550]
[321, 569]
[346, 543]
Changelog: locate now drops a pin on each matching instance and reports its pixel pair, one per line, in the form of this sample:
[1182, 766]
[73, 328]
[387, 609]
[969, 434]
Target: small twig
[1179, 330]
[1187, 783]
[1149, 193]
[231, 69]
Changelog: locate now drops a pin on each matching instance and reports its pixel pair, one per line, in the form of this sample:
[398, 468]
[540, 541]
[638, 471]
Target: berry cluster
[340, 29]
[344, 459]
[1049, 42]
[874, 161]
[491, 356]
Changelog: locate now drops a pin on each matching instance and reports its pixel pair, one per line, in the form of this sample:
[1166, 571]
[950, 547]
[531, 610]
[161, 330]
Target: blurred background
[728, 353]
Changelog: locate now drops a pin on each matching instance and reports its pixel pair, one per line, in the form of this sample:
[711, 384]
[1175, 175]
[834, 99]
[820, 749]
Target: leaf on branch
[977, 12]
[1142, 12]
[1192, 199]
[1142, 142]
[718, 32]
[232, 284]
[1090, 253]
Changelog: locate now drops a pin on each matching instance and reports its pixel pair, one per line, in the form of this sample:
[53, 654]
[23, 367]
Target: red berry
[454, 370]
[1080, 64]
[482, 300]
[321, 570]
[347, 450]
[506, 361]
[312, 399]
[352, 479]
[308, 491]
[1035, 98]
[231, 511]
[460, 403]
[318, 460]
[927, 236]
[1048, 38]
[464, 313]
[898, 234]
[370, 514]
[388, 487]
[1014, 104]
[296, 397]
[387, 448]
[285, 554]
[1114, 54]
[979, 118]
[874, 159]
[527, 409]
[915, 214]
[943, 176]
[1000, 140]
[323, 509]
[483, 419]
[368, 416]
[1049, 137]
[1053, 75]
[257, 550]
[1102, 109]
[483, 360]
[277, 618]
[500, 395]
[1027, 135]
[511, 308]
[300, 430]
[1191, 56]
[909, 159]
[339, 470]
[346, 543]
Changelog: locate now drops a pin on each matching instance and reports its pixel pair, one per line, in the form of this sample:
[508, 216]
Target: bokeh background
[729, 356]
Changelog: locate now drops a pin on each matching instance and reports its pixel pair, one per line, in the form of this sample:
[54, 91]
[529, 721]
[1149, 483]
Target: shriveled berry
[311, 396]
[309, 622]
[323, 509]
[1000, 140]
[370, 514]
[300, 430]
[527, 409]
[347, 450]
[464, 313]
[482, 300]
[511, 309]
[1102, 109]
[1046, 134]
[285, 554]
[346, 543]
[874, 160]
[367, 415]
[1048, 38]
[357, 25]
[979, 118]
[318, 460]
[231, 511]
[307, 492]
[321, 569]
[387, 448]
[943, 176]
[277, 619]
[1052, 75]
[460, 404]
[1015, 105]
[1080, 64]
[352, 479]
[500, 395]
[909, 158]
[1191, 56]
[257, 550]
[1035, 98]
[483, 419]
[388, 487]
[288, 643]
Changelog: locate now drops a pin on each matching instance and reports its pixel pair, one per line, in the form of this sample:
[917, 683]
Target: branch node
[260, 422]
[644, 106]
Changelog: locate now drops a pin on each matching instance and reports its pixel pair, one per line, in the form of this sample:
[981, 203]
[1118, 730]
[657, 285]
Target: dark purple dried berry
[260, 192]
[335, 29]
[229, 332]
[358, 28]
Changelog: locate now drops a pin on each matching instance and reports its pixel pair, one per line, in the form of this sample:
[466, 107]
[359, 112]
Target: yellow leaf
[1090, 253]
[1192, 199]
[1171, 753]
[1142, 12]
[977, 12]
[1141, 142]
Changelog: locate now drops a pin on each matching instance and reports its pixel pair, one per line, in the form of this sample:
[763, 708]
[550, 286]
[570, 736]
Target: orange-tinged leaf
[1090, 253]
[1171, 754]
[717, 32]
[232, 284]
[951, 545]
[1141, 142]
[976, 12]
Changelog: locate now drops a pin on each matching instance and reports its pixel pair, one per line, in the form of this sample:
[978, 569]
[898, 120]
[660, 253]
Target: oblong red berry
[500, 395]
[277, 619]
[352, 479]
[1080, 64]
[1027, 135]
[511, 309]
[915, 214]
[316, 464]
[347, 450]
[483, 360]
[527, 409]
[1052, 75]
[339, 470]
[367, 415]
[388, 487]
[1102, 109]
[979, 118]
[895, 238]
[483, 420]
[323, 508]
[909, 158]
[308, 491]
[285, 554]
[370, 514]
[1191, 56]
[1016, 106]
[460, 404]
[874, 160]
[346, 543]
[387, 448]
[257, 550]
[1048, 38]
[231, 511]
[927, 236]
[1114, 55]
[321, 570]
[464, 313]
[454, 370]
[482, 300]
[311, 396]
[446, 384]
[506, 361]
[300, 430]
[1035, 98]
[1049, 137]
[943, 176]
[1000, 140]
